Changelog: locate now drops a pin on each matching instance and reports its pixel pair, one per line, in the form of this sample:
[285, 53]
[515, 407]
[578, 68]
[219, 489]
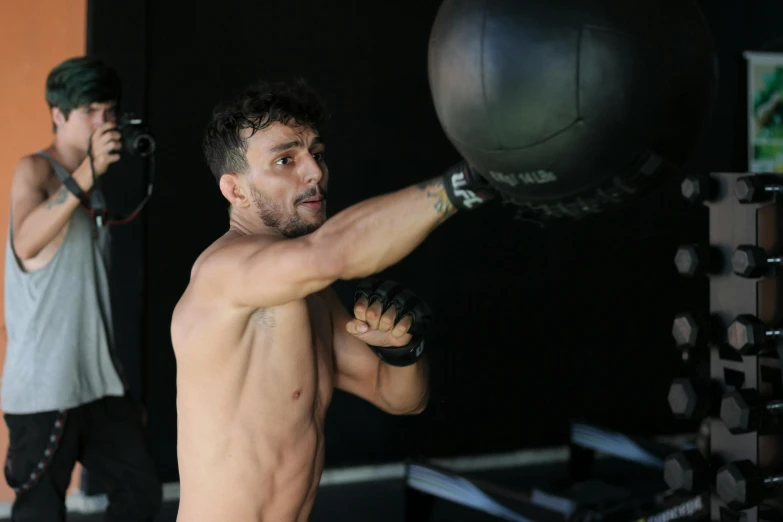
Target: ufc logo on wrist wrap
[468, 197]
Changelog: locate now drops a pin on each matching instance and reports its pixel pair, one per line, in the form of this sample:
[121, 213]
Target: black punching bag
[572, 107]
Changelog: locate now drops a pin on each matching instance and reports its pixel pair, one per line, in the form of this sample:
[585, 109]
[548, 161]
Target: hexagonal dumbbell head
[742, 410]
[746, 334]
[686, 471]
[740, 485]
[685, 400]
[692, 260]
[749, 261]
[750, 189]
[688, 330]
[697, 189]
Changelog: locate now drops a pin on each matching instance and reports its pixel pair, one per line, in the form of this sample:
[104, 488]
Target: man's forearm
[404, 390]
[44, 223]
[379, 232]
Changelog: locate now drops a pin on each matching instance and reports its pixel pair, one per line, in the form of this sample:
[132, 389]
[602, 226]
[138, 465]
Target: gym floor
[382, 501]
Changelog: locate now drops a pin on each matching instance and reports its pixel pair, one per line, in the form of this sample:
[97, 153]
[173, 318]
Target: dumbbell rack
[739, 217]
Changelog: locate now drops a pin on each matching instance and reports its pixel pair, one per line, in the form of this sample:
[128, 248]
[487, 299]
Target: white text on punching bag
[538, 177]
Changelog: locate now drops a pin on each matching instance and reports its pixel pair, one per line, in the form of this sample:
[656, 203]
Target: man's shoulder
[33, 166]
[215, 276]
[35, 158]
[223, 263]
[230, 250]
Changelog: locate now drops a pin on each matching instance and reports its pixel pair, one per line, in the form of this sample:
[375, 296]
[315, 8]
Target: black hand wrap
[466, 188]
[406, 303]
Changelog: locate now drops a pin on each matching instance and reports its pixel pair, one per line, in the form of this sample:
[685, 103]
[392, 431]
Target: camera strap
[92, 205]
[114, 219]
[96, 204]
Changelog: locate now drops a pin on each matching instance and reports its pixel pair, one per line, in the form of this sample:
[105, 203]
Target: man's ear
[58, 118]
[232, 189]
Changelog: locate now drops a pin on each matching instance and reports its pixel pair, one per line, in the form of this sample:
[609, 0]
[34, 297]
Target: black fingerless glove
[466, 188]
[406, 303]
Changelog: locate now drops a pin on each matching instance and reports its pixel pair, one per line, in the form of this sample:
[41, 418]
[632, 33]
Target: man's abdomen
[251, 421]
[254, 477]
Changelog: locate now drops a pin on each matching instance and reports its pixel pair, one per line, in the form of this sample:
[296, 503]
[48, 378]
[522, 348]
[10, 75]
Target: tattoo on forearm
[435, 190]
[58, 199]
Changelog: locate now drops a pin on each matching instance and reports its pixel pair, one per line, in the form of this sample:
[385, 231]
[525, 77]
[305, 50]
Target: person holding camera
[64, 396]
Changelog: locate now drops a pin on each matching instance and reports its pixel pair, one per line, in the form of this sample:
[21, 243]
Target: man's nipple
[297, 393]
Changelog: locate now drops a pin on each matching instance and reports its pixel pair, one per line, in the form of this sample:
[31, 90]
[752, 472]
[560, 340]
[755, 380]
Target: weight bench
[588, 440]
[584, 500]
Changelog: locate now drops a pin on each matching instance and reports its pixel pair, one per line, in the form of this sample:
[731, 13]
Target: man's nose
[313, 171]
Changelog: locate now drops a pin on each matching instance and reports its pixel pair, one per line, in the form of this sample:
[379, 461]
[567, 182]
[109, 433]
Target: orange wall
[36, 35]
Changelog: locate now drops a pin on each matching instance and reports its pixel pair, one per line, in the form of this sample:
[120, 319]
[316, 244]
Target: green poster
[765, 112]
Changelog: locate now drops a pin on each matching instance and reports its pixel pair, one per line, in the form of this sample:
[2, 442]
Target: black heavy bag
[572, 107]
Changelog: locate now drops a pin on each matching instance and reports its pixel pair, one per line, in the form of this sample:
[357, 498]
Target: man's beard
[271, 213]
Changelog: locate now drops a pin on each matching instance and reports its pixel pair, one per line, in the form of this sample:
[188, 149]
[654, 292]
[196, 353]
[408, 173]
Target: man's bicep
[262, 274]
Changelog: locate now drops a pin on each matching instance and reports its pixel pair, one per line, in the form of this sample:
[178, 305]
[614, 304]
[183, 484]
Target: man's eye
[318, 156]
[283, 161]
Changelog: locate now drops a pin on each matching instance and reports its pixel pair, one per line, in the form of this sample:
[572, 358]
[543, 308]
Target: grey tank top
[58, 318]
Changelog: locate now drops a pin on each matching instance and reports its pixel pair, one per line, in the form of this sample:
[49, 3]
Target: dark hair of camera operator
[64, 396]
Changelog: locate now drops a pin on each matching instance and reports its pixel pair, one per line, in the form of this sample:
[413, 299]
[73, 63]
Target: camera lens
[143, 145]
[136, 138]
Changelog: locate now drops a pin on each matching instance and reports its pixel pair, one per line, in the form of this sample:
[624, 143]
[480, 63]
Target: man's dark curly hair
[256, 108]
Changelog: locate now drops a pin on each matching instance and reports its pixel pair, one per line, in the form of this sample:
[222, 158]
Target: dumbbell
[749, 335]
[690, 331]
[754, 189]
[697, 259]
[687, 471]
[698, 189]
[741, 485]
[693, 398]
[752, 261]
[744, 411]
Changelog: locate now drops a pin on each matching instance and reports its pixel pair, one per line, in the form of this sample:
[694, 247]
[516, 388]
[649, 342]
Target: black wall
[534, 327]
[124, 46]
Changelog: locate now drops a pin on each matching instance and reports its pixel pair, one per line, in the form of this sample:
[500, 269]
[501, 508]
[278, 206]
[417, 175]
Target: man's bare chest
[294, 345]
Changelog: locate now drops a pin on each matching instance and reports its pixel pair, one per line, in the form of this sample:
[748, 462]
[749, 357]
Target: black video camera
[136, 138]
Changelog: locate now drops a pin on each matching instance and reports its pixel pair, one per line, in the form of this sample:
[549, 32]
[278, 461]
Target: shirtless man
[261, 340]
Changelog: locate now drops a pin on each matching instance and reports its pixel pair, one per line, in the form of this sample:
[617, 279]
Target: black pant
[106, 436]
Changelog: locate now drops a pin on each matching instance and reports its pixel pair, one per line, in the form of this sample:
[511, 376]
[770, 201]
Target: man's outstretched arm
[362, 240]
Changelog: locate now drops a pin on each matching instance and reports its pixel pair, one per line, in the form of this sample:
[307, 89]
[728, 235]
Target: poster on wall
[765, 112]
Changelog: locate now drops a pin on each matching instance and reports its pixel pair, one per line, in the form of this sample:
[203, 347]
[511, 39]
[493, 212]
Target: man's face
[82, 122]
[288, 178]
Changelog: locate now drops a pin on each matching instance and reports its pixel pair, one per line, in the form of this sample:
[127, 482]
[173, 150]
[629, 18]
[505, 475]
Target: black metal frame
[732, 223]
